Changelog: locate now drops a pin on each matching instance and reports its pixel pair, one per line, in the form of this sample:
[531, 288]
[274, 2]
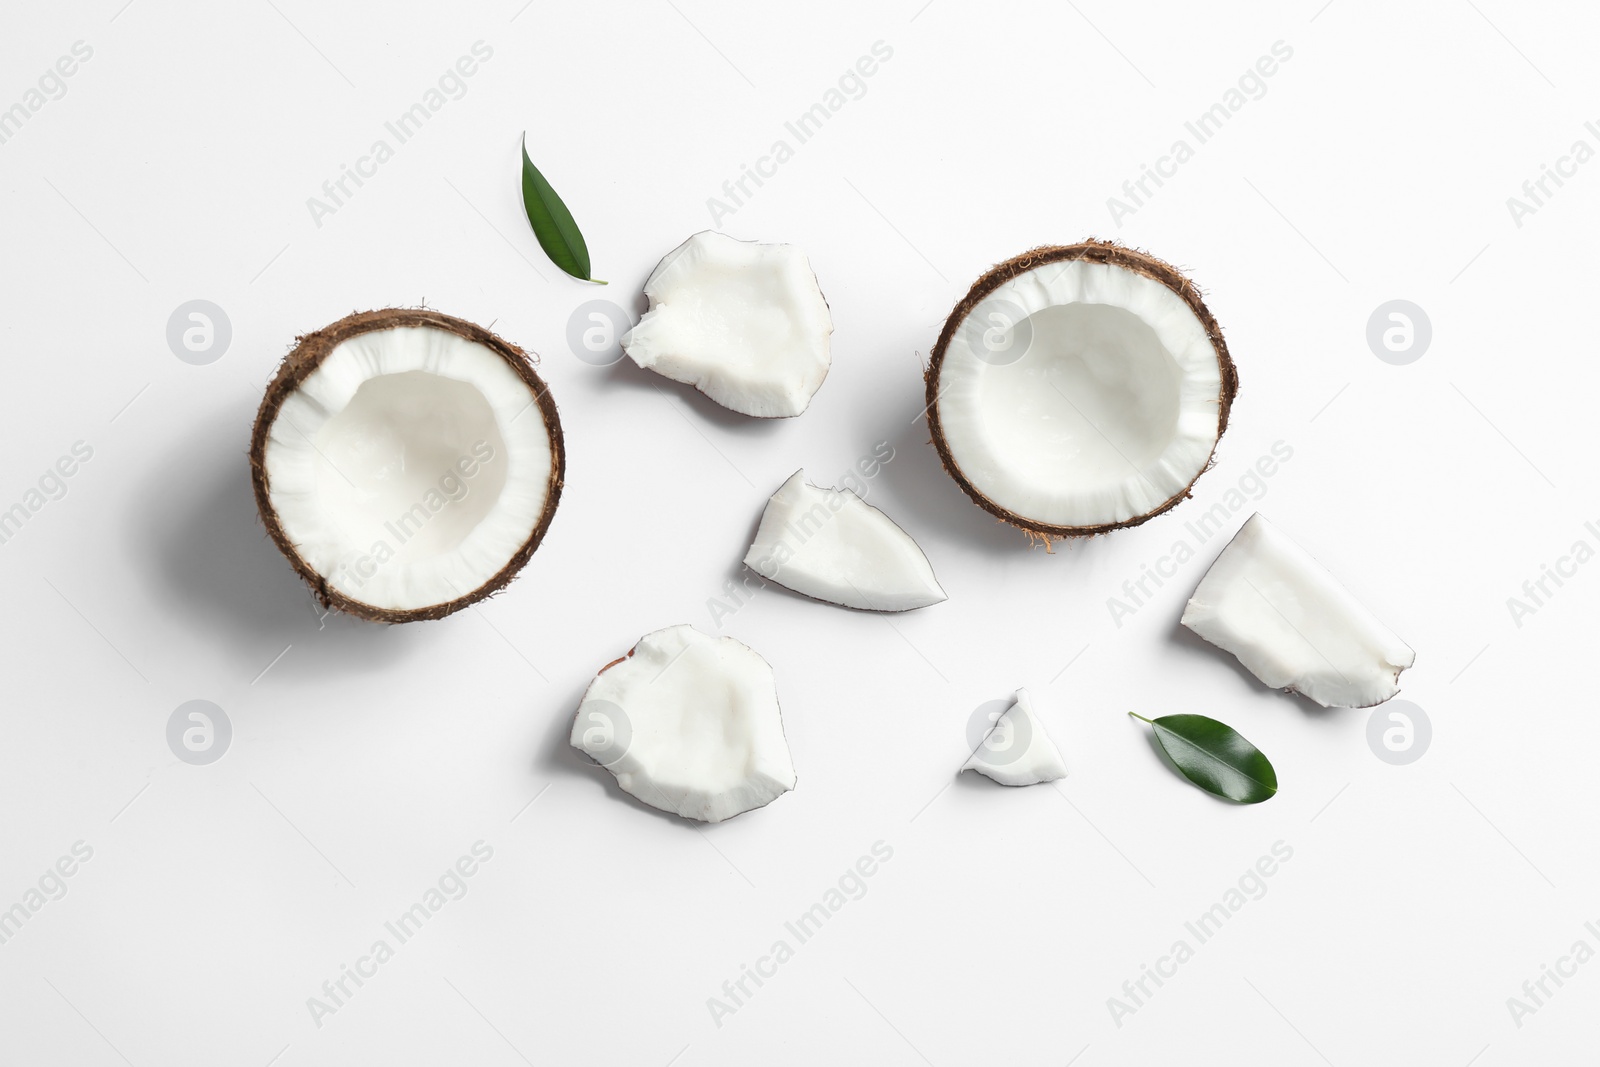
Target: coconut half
[1079, 389]
[1293, 625]
[742, 322]
[1018, 750]
[689, 724]
[407, 463]
[831, 545]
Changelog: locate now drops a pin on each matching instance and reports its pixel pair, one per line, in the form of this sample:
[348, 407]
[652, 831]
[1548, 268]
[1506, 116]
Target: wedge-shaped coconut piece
[1293, 625]
[1079, 389]
[744, 323]
[406, 462]
[1018, 750]
[831, 545]
[688, 724]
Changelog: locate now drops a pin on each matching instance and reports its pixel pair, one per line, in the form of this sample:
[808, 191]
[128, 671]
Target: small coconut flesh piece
[689, 724]
[831, 545]
[1293, 625]
[744, 323]
[1018, 750]
[406, 462]
[1079, 389]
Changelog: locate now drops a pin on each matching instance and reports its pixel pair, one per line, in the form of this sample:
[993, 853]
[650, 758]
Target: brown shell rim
[1092, 251]
[307, 355]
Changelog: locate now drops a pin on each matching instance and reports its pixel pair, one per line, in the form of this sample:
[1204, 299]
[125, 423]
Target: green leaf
[552, 223]
[1215, 757]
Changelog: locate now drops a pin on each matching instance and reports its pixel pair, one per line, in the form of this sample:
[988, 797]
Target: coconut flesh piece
[831, 545]
[407, 463]
[689, 724]
[744, 323]
[1018, 750]
[1293, 625]
[1079, 389]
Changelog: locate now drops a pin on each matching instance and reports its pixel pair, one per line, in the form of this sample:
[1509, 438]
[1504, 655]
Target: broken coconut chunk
[1018, 750]
[744, 323]
[688, 724]
[1293, 625]
[831, 545]
[1079, 389]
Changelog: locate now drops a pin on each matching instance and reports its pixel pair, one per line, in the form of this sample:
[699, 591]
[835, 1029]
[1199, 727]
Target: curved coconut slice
[1293, 625]
[1018, 750]
[407, 463]
[831, 545]
[1079, 389]
[742, 322]
[688, 724]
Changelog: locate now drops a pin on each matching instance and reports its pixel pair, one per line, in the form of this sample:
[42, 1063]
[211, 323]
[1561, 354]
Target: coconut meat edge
[745, 323]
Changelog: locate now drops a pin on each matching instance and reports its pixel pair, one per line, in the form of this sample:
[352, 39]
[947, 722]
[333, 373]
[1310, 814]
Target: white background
[365, 760]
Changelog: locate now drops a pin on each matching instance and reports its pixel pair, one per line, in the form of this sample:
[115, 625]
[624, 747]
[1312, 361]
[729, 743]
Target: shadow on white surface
[227, 584]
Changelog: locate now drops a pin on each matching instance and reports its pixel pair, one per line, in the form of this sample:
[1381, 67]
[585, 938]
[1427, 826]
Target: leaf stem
[1141, 718]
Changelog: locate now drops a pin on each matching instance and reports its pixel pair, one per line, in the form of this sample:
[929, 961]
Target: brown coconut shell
[1092, 251]
[308, 353]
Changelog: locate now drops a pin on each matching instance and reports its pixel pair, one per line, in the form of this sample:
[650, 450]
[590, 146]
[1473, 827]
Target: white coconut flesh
[409, 467]
[1293, 625]
[688, 723]
[744, 323]
[831, 545]
[1080, 394]
[1018, 750]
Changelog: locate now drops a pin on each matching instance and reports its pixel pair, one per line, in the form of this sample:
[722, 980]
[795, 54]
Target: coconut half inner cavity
[407, 463]
[1079, 389]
